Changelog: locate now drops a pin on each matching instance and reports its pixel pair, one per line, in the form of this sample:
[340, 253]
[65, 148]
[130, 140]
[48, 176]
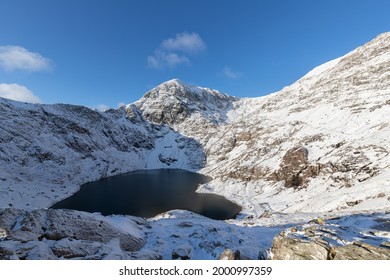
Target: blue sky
[113, 51]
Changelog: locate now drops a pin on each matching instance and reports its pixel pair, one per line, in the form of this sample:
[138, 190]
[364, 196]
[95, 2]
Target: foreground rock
[68, 234]
[230, 255]
[318, 240]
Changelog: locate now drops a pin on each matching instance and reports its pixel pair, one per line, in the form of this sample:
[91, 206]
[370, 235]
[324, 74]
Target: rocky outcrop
[360, 251]
[68, 234]
[295, 170]
[285, 248]
[318, 240]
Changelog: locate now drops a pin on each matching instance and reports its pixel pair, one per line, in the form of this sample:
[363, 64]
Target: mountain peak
[175, 86]
[174, 81]
[186, 92]
[173, 101]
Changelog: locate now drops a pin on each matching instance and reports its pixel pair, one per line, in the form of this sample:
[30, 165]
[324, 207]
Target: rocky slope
[319, 146]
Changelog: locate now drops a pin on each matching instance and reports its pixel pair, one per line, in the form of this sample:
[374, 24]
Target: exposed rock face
[53, 234]
[285, 248]
[331, 241]
[361, 251]
[295, 169]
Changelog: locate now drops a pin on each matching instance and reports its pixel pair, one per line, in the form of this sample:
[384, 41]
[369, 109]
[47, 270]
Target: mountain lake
[146, 193]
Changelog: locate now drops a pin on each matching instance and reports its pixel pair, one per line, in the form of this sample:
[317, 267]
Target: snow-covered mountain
[319, 146]
[175, 102]
[48, 151]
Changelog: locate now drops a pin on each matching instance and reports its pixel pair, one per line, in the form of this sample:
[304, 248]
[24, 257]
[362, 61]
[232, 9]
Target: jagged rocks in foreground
[47, 234]
[337, 239]
[67, 234]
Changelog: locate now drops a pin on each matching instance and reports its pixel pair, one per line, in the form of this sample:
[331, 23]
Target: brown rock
[381, 195]
[295, 169]
[287, 248]
[228, 254]
[318, 221]
[314, 246]
[361, 251]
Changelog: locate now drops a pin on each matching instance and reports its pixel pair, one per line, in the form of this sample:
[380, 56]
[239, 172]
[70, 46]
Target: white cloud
[185, 42]
[18, 58]
[18, 93]
[162, 59]
[173, 52]
[153, 62]
[230, 74]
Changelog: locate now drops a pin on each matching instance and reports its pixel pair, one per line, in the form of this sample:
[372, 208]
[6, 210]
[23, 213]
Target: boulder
[56, 233]
[229, 254]
[181, 253]
[287, 248]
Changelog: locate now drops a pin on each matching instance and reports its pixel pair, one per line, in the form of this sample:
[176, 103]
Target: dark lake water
[146, 193]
